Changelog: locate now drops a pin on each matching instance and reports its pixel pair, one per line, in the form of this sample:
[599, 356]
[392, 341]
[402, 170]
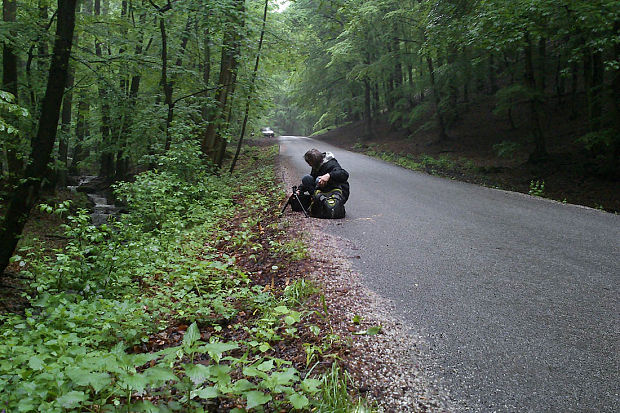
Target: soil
[570, 173]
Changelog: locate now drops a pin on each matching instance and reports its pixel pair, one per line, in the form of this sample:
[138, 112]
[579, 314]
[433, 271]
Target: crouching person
[327, 184]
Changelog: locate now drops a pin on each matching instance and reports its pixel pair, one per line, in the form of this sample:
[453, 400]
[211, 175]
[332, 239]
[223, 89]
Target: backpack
[328, 205]
[306, 200]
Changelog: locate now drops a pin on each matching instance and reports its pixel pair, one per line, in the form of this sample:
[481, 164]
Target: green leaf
[242, 386]
[299, 401]
[281, 309]
[83, 377]
[257, 398]
[136, 382]
[36, 363]
[160, 374]
[198, 373]
[370, 332]
[221, 374]
[99, 381]
[311, 385]
[265, 366]
[191, 335]
[71, 399]
[205, 393]
[215, 350]
[284, 377]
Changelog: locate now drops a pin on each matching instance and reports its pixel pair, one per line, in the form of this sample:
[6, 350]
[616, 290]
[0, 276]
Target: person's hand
[323, 180]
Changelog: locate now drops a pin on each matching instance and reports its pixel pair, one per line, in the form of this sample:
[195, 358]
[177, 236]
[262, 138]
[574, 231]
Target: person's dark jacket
[337, 176]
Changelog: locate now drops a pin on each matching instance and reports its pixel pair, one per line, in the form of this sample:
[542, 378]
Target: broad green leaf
[198, 373]
[284, 377]
[215, 350]
[311, 385]
[299, 401]
[265, 365]
[242, 386]
[221, 374]
[191, 335]
[36, 363]
[159, 373]
[71, 399]
[281, 309]
[205, 393]
[257, 398]
[99, 381]
[136, 382]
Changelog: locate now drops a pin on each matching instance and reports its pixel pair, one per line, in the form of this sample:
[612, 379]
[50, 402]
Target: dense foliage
[117, 290]
[404, 60]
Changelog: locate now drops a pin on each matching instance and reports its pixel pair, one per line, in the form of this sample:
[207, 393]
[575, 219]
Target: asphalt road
[517, 297]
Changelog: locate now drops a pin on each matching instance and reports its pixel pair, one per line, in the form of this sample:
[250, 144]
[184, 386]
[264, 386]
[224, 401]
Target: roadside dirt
[570, 174]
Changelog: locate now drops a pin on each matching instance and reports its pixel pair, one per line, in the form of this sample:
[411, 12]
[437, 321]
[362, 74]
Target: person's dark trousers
[309, 183]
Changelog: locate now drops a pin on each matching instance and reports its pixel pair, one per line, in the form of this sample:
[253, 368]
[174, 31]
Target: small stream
[99, 196]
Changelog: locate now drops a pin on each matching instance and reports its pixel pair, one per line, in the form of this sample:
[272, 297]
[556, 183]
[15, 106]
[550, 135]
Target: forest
[192, 297]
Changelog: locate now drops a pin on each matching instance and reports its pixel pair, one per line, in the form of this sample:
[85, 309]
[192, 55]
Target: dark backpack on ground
[306, 200]
[328, 205]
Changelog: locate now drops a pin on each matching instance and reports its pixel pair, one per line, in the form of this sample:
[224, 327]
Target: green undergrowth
[442, 166]
[155, 313]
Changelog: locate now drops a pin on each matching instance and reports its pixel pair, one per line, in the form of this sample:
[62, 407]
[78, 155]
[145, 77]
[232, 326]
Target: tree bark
[65, 127]
[9, 83]
[251, 92]
[437, 100]
[212, 141]
[596, 95]
[23, 198]
[107, 154]
[540, 147]
[167, 86]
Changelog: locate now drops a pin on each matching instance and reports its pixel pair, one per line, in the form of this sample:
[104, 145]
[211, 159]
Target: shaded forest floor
[471, 154]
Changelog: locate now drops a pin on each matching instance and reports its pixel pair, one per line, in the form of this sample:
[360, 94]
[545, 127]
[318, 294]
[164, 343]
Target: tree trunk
[107, 154]
[65, 127]
[164, 79]
[23, 198]
[596, 104]
[206, 70]
[437, 100]
[9, 83]
[251, 92]
[542, 64]
[540, 147]
[492, 74]
[211, 142]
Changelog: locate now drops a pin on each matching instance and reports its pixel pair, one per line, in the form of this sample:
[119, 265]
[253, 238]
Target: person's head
[314, 157]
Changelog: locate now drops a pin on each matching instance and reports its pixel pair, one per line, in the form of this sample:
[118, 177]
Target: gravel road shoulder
[388, 368]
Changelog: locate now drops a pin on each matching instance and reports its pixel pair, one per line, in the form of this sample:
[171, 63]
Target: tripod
[298, 200]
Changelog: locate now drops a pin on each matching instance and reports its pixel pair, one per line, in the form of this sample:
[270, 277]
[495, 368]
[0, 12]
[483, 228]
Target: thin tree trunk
[492, 74]
[542, 64]
[596, 104]
[65, 127]
[164, 79]
[9, 83]
[23, 198]
[251, 91]
[107, 154]
[437, 100]
[540, 149]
